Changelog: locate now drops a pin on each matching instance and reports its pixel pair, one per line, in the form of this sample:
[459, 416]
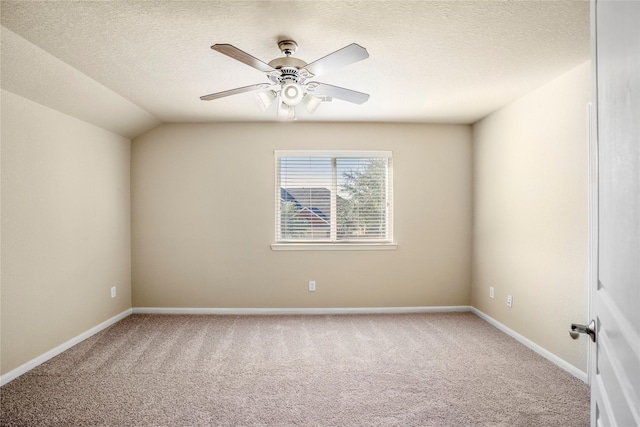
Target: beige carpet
[449, 369]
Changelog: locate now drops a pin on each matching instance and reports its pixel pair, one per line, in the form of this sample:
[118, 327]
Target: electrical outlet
[113, 292]
[509, 301]
[491, 292]
[312, 285]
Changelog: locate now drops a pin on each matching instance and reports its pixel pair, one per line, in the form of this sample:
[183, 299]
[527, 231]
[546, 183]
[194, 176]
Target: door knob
[589, 329]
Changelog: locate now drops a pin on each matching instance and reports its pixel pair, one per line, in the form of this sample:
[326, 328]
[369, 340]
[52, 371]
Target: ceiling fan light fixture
[291, 93]
[311, 102]
[265, 98]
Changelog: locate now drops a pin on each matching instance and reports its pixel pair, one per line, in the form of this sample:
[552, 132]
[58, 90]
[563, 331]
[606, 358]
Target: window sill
[334, 246]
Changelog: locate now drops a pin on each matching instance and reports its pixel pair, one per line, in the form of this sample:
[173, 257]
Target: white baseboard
[265, 311]
[535, 347]
[15, 373]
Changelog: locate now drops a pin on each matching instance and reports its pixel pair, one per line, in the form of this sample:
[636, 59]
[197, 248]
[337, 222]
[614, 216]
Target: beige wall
[530, 214]
[65, 228]
[203, 219]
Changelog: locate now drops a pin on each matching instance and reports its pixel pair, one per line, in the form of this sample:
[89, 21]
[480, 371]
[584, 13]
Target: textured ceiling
[430, 61]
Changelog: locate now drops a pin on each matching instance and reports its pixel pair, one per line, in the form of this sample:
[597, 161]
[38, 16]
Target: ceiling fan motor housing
[288, 74]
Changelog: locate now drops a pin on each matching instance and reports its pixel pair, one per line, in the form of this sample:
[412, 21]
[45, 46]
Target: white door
[615, 298]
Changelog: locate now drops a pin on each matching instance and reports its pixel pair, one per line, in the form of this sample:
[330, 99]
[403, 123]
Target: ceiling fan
[289, 78]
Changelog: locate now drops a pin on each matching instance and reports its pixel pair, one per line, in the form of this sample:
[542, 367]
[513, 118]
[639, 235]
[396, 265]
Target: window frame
[333, 243]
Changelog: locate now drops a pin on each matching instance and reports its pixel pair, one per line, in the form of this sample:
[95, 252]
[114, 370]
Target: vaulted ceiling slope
[430, 61]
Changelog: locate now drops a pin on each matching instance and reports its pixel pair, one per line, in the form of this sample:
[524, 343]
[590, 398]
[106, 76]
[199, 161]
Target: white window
[334, 197]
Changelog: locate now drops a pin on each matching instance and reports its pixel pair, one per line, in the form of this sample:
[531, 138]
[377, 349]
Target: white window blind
[334, 196]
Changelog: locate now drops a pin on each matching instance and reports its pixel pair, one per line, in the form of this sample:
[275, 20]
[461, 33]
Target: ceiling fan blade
[242, 56]
[340, 58]
[348, 95]
[259, 86]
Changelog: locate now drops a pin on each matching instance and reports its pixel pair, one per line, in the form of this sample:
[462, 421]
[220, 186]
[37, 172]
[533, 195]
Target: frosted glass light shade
[311, 102]
[286, 112]
[291, 93]
[265, 98]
